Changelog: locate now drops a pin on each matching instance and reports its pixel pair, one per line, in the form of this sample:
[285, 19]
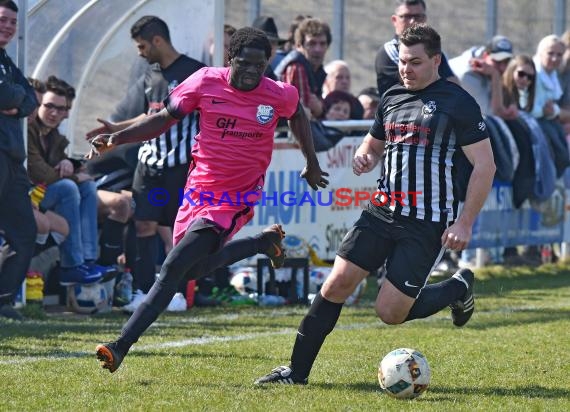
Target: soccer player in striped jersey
[436, 151]
[239, 109]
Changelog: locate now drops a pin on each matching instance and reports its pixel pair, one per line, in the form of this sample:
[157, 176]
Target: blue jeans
[77, 203]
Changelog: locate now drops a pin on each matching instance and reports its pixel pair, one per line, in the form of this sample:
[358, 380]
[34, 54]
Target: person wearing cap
[267, 25]
[480, 69]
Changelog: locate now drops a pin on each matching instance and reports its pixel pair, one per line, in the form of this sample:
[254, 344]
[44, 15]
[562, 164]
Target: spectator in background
[338, 105]
[339, 79]
[519, 83]
[162, 161]
[480, 69]
[267, 25]
[370, 99]
[546, 109]
[289, 43]
[17, 225]
[303, 66]
[70, 192]
[406, 13]
[564, 78]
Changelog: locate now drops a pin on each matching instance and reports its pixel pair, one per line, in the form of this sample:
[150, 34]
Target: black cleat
[109, 356]
[276, 253]
[282, 375]
[462, 309]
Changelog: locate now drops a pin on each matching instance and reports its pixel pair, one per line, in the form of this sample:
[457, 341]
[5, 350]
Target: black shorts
[156, 193]
[410, 248]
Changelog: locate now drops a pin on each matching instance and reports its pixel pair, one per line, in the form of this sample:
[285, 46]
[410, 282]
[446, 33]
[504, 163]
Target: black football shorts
[410, 247]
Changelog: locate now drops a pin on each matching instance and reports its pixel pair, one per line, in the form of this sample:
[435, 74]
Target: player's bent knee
[338, 288]
[390, 316]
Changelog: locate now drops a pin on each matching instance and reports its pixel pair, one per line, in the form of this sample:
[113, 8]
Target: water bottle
[271, 300]
[124, 289]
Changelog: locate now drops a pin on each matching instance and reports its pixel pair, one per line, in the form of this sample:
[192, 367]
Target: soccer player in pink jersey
[239, 109]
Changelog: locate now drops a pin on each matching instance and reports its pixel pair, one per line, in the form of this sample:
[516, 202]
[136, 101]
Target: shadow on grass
[441, 393]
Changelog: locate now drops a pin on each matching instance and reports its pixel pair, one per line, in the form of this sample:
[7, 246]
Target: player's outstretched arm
[301, 128]
[146, 128]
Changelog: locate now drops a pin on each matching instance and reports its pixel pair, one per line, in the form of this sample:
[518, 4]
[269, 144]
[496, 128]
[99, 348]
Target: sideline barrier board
[323, 218]
[500, 224]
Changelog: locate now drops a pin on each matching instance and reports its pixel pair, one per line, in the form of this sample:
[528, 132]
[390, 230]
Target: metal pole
[254, 10]
[338, 30]
[559, 17]
[219, 11]
[491, 19]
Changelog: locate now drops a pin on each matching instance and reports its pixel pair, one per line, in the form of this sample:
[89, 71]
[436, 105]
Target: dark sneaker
[276, 253]
[7, 311]
[282, 375]
[109, 356]
[79, 274]
[462, 309]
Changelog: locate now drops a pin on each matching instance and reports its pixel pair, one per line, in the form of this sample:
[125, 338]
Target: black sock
[435, 297]
[144, 270]
[194, 246]
[110, 242]
[314, 328]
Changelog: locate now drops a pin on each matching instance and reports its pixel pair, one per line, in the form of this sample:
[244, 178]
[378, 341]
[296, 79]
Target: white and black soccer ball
[404, 373]
[244, 280]
[88, 299]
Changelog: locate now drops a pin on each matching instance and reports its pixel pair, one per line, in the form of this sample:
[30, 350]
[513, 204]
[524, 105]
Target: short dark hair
[312, 27]
[9, 4]
[411, 3]
[149, 26]
[37, 85]
[60, 87]
[249, 37]
[422, 33]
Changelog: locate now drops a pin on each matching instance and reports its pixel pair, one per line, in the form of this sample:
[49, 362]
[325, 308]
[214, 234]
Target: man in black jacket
[17, 224]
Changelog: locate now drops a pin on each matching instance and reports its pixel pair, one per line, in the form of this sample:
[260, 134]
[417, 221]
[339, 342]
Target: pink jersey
[235, 143]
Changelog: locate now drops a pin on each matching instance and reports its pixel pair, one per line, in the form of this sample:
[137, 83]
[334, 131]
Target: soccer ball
[245, 280]
[88, 299]
[404, 373]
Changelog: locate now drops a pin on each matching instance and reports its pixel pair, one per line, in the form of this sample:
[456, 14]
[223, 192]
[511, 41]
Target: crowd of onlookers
[91, 217]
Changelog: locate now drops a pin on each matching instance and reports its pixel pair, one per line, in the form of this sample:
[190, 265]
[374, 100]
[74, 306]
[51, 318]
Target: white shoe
[177, 304]
[138, 298]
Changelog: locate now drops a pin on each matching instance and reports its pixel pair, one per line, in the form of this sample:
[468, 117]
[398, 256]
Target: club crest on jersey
[264, 114]
[429, 108]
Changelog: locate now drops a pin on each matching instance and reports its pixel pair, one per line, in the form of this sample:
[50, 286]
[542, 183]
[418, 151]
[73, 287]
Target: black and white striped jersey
[424, 167]
[173, 147]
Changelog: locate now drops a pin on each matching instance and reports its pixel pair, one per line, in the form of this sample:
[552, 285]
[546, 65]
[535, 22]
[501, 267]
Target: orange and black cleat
[109, 356]
[276, 252]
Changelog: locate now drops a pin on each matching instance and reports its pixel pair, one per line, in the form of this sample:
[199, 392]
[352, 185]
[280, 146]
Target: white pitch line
[175, 344]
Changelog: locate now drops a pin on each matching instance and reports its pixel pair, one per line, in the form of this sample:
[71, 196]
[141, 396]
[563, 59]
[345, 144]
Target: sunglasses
[523, 74]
